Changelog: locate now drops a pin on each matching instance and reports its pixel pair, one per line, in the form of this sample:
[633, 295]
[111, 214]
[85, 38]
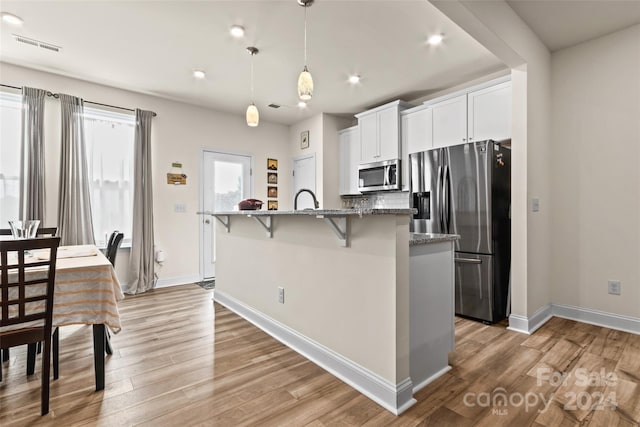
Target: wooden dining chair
[115, 240]
[26, 300]
[40, 232]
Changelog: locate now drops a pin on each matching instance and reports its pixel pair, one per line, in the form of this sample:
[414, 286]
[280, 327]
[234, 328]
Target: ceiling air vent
[274, 106]
[36, 43]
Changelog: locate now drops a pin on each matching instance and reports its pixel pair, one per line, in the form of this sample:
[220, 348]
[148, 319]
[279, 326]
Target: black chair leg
[46, 372]
[5, 355]
[56, 356]
[39, 348]
[31, 358]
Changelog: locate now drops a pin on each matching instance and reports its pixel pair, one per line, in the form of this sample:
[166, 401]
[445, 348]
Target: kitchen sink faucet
[295, 199]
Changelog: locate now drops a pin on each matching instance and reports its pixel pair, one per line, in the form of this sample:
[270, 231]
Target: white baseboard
[395, 398]
[178, 280]
[598, 318]
[529, 325]
[432, 378]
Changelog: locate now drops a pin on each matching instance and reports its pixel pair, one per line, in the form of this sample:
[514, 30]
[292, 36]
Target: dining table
[86, 291]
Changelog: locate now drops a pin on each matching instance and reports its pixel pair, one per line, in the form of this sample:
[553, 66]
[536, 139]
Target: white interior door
[304, 176]
[226, 180]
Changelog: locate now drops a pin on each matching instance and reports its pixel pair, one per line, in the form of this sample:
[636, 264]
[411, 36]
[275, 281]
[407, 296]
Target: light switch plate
[535, 204]
[180, 207]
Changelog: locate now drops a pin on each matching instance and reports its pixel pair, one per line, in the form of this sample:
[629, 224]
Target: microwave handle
[387, 175]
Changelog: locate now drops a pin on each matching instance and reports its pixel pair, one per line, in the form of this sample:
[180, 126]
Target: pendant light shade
[253, 117]
[305, 81]
[305, 85]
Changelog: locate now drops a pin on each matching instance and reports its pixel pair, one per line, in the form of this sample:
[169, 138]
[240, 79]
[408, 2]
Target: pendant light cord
[305, 35]
[252, 78]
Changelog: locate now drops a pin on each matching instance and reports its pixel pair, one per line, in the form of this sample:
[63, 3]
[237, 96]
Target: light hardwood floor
[182, 360]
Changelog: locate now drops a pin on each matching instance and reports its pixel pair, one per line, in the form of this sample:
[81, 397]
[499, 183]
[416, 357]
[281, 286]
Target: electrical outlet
[615, 287]
[280, 294]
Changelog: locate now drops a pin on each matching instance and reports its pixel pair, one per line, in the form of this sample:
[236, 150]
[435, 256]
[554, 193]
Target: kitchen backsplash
[387, 200]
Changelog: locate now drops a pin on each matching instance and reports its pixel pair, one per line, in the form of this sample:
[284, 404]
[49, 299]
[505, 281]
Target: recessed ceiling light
[199, 74]
[354, 78]
[302, 104]
[435, 39]
[11, 19]
[237, 31]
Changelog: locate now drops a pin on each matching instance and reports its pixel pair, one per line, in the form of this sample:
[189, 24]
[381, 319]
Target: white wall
[179, 133]
[596, 174]
[323, 142]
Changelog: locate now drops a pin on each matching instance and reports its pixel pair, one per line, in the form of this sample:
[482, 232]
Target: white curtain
[75, 225]
[141, 267]
[32, 154]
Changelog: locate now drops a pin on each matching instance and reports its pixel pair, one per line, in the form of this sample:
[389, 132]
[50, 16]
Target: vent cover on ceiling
[36, 43]
[274, 106]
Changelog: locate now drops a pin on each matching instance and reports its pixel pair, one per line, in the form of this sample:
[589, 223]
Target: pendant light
[305, 81]
[252, 111]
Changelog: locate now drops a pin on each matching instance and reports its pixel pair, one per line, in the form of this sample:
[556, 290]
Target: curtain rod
[55, 95]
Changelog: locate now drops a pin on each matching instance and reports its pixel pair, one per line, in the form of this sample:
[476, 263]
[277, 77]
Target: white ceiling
[153, 46]
[561, 24]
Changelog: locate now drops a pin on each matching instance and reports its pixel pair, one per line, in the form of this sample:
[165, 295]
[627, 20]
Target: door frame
[204, 150]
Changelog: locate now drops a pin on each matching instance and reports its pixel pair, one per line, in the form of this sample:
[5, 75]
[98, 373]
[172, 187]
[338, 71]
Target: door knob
[207, 221]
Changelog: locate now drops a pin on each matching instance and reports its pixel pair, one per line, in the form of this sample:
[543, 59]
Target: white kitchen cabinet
[477, 115]
[349, 152]
[489, 113]
[417, 135]
[368, 138]
[450, 122]
[380, 132]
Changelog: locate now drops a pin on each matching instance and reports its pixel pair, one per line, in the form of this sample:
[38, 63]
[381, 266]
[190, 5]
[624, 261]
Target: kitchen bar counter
[315, 212]
[343, 303]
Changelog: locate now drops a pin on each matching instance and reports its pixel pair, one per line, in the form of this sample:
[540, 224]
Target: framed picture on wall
[272, 178]
[272, 192]
[272, 164]
[272, 205]
[304, 139]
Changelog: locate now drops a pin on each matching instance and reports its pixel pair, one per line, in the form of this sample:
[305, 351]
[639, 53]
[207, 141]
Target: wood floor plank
[182, 360]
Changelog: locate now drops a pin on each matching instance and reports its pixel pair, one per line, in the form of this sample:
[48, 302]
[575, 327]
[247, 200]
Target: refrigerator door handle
[446, 183]
[439, 200]
[468, 260]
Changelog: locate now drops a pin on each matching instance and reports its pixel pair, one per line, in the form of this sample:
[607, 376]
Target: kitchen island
[331, 284]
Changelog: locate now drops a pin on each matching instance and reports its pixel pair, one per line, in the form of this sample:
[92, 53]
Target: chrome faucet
[295, 199]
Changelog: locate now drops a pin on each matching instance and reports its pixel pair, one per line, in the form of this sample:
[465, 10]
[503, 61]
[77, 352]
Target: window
[10, 117]
[110, 141]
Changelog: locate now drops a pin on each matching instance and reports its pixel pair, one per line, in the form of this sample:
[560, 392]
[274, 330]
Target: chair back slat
[33, 282]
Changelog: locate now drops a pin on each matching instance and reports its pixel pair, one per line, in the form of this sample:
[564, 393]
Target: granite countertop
[316, 212]
[416, 239]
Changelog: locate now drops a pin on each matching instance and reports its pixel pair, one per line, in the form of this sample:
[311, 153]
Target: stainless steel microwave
[379, 176]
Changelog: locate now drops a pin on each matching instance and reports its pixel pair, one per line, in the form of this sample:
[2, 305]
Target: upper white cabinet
[489, 113]
[349, 158]
[417, 130]
[450, 122]
[474, 116]
[417, 135]
[380, 132]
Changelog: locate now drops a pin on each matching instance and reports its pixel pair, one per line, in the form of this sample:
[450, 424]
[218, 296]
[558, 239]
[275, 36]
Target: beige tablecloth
[87, 290]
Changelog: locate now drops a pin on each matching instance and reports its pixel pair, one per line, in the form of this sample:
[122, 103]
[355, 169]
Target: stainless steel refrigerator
[466, 190]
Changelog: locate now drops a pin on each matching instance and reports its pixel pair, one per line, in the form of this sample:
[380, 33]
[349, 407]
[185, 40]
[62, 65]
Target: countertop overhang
[416, 239]
[316, 212]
